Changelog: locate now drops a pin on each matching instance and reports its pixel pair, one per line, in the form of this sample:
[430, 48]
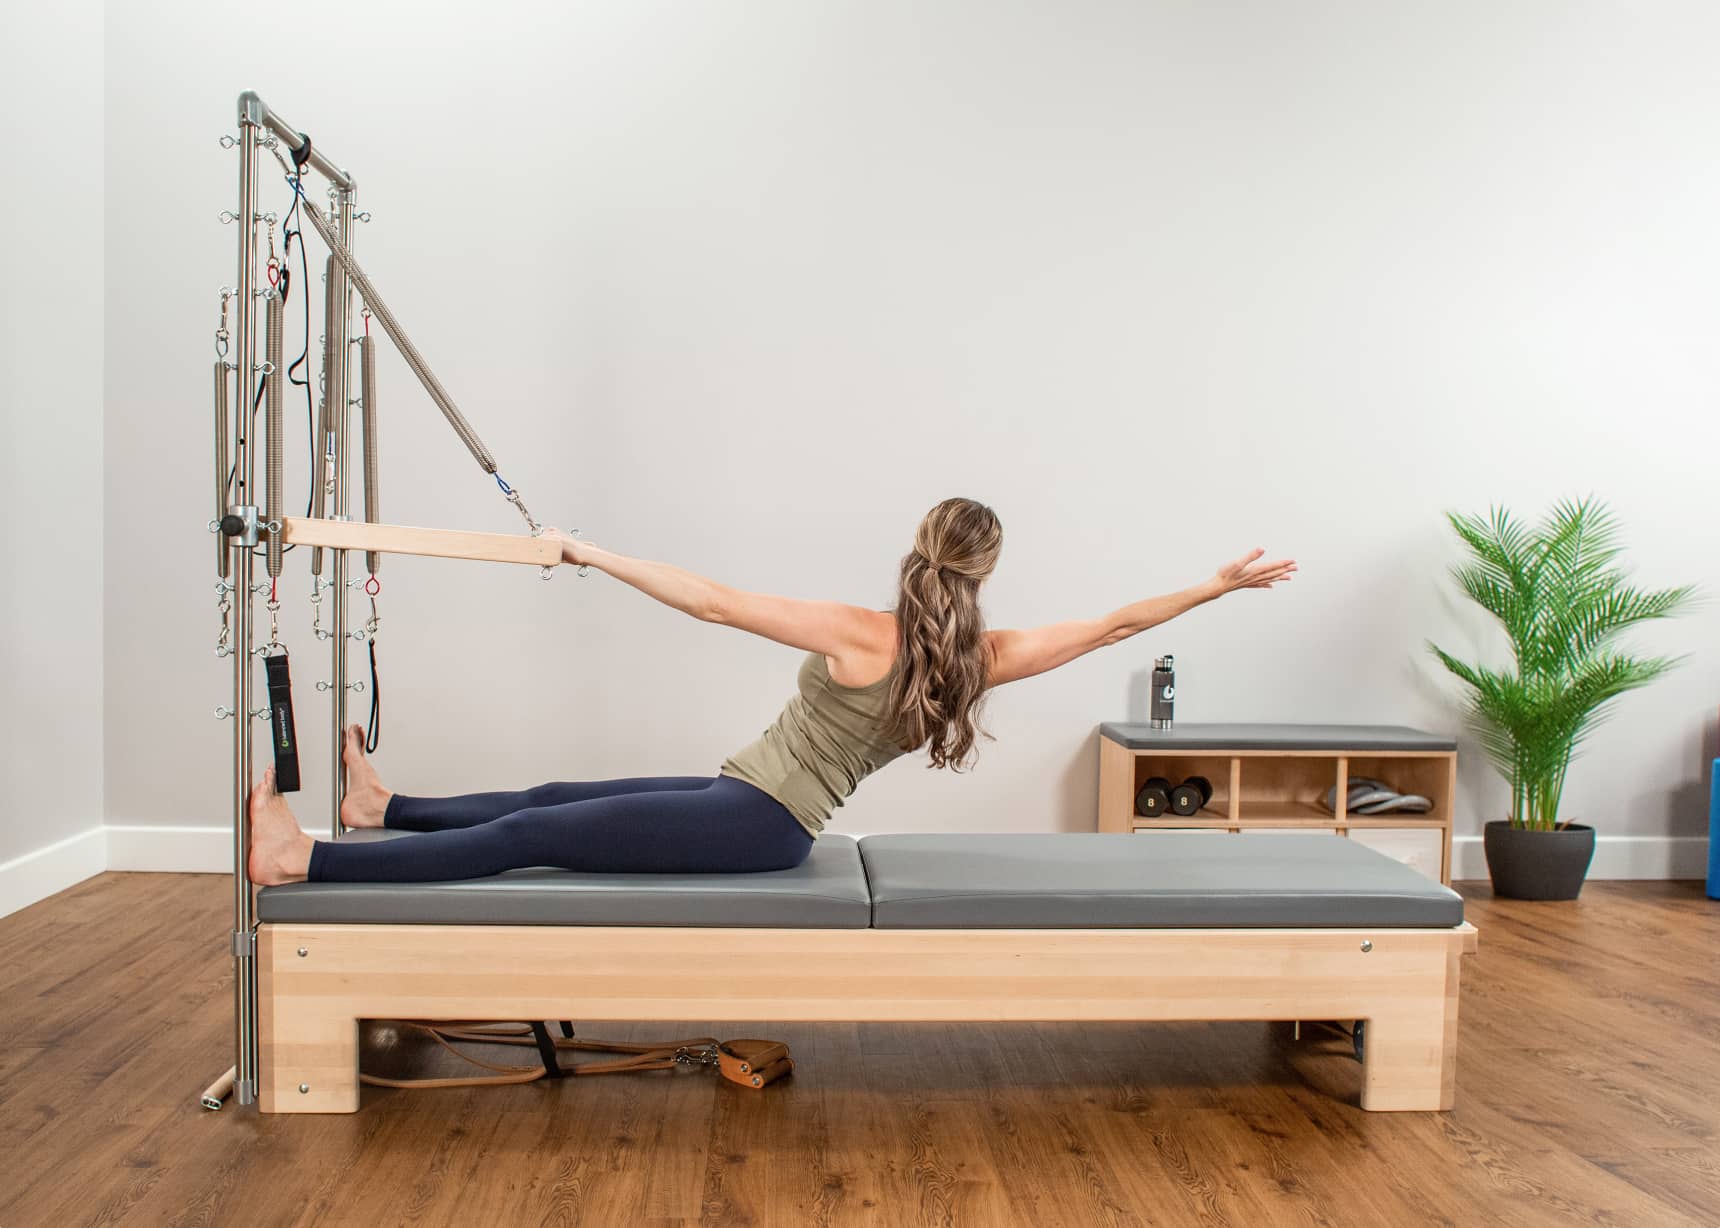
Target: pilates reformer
[887, 928]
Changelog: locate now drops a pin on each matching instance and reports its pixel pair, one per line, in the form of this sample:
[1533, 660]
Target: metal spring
[402, 342]
[367, 408]
[334, 354]
[319, 496]
[325, 411]
[274, 453]
[223, 562]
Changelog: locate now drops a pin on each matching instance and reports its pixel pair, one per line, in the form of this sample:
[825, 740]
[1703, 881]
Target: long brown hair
[943, 660]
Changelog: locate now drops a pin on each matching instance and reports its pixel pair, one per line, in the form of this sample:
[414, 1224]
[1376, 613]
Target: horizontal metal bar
[404, 539]
[254, 109]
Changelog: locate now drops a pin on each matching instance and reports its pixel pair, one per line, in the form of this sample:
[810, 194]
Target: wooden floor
[1588, 1091]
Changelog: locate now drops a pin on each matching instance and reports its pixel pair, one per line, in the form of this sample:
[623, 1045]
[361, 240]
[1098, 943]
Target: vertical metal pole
[244, 936]
[340, 367]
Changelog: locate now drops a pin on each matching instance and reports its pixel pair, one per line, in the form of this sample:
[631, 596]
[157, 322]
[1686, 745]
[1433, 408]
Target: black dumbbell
[1191, 795]
[1154, 798]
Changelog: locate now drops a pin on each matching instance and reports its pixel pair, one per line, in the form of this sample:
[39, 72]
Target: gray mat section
[1192, 737]
[827, 891]
[1164, 880]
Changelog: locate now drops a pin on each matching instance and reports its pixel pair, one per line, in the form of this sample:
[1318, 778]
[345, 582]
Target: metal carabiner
[221, 333]
[316, 610]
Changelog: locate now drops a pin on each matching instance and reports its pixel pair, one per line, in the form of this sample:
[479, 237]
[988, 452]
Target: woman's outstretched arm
[1022, 654]
[841, 632]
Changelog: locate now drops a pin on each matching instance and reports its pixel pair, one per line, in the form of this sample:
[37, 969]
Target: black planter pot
[1538, 865]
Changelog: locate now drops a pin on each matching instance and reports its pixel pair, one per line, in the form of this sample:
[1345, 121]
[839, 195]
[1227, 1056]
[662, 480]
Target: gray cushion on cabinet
[1158, 880]
[1195, 736]
[827, 891]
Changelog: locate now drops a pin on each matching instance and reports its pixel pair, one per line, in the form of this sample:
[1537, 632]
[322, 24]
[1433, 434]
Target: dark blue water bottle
[1162, 706]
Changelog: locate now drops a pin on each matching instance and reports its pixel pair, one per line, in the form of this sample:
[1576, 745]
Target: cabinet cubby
[1276, 777]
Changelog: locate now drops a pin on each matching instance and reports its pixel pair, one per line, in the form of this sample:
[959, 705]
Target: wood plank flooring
[1588, 1092]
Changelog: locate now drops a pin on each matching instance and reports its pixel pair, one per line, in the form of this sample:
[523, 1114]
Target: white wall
[748, 287]
[51, 389]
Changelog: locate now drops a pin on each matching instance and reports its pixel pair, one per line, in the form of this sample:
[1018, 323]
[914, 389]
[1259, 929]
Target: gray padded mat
[1164, 880]
[827, 891]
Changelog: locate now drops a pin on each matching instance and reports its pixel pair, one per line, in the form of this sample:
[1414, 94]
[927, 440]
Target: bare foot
[280, 850]
[366, 800]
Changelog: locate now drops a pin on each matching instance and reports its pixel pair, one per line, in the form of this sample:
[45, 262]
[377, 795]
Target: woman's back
[828, 739]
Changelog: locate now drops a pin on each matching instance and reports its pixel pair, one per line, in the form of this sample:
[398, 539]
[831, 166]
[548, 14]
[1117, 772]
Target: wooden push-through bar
[404, 539]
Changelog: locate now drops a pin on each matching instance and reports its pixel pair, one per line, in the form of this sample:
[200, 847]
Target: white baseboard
[65, 863]
[173, 849]
[1616, 857]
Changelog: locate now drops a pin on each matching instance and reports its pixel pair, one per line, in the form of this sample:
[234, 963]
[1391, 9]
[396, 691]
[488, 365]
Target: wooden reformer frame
[319, 981]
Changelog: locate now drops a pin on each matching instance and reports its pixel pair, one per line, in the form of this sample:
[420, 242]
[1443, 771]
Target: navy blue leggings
[651, 825]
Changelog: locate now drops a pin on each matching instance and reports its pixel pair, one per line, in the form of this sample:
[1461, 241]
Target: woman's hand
[1249, 572]
[573, 550]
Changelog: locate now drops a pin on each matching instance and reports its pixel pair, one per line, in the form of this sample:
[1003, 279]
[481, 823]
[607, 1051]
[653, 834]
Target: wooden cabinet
[1275, 777]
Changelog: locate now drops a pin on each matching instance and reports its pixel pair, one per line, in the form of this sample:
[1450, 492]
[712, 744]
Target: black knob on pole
[232, 525]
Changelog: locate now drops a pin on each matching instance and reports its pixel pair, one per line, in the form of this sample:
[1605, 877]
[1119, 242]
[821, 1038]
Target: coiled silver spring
[367, 408]
[273, 410]
[319, 476]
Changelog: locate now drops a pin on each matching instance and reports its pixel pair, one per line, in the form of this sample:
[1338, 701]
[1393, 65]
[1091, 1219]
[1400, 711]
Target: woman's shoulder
[870, 661]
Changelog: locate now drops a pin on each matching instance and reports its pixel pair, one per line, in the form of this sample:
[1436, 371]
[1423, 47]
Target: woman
[874, 686]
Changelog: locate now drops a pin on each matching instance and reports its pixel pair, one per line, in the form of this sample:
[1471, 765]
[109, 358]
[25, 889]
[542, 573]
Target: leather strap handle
[762, 1076]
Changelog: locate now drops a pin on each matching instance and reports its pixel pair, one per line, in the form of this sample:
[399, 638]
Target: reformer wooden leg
[310, 1063]
[1410, 1058]
[309, 1052]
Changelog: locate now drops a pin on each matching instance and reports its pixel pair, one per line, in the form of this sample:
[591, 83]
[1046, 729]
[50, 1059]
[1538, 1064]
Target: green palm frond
[1587, 624]
[1561, 599]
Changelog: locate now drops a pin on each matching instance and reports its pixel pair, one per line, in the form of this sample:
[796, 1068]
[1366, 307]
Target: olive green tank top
[826, 742]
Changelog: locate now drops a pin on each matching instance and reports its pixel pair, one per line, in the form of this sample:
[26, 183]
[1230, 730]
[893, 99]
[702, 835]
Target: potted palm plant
[1557, 590]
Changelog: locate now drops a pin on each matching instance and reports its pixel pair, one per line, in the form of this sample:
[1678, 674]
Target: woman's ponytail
[943, 663]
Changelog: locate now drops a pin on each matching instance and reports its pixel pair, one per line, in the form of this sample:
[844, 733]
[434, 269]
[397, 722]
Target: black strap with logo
[281, 733]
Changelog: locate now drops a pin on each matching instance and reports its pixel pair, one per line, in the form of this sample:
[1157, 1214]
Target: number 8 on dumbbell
[1188, 797]
[1154, 798]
